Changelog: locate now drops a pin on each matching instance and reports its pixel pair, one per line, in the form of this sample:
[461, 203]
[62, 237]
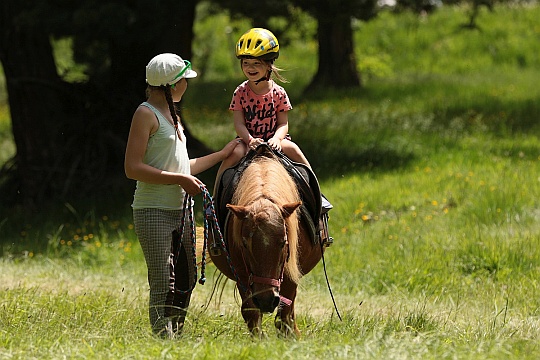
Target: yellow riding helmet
[258, 43]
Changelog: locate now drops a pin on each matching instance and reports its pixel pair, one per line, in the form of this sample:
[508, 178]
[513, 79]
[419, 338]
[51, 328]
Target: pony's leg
[285, 320]
[252, 315]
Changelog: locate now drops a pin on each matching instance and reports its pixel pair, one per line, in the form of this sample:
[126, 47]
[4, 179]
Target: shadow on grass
[501, 118]
[449, 99]
[330, 163]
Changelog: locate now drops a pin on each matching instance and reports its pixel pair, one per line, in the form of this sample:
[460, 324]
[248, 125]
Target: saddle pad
[305, 179]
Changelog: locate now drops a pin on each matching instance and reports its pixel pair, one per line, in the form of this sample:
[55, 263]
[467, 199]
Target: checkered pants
[154, 229]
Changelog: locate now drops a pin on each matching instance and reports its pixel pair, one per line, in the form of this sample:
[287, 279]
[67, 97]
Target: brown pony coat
[263, 214]
[265, 184]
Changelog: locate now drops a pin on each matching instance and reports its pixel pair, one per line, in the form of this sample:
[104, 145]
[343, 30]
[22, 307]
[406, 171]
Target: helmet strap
[264, 78]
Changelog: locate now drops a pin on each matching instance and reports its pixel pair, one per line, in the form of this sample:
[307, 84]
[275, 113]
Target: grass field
[433, 168]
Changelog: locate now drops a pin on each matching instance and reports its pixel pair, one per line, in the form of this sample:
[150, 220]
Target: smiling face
[254, 69]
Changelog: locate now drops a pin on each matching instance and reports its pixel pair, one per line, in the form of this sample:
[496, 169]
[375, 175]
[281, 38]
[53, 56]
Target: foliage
[7, 148]
[217, 32]
[433, 173]
[336, 64]
[85, 101]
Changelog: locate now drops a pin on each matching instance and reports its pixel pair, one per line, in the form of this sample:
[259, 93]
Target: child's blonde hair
[276, 72]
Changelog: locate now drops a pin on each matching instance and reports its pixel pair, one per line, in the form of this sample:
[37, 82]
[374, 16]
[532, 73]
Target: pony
[268, 245]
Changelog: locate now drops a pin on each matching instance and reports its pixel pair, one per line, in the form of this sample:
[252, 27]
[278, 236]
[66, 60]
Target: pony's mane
[266, 179]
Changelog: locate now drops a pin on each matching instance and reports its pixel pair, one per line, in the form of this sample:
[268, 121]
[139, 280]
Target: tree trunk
[70, 138]
[36, 96]
[337, 62]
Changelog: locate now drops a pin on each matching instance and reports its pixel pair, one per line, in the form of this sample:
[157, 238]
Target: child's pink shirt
[260, 111]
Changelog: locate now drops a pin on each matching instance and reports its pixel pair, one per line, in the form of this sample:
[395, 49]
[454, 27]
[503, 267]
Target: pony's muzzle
[266, 301]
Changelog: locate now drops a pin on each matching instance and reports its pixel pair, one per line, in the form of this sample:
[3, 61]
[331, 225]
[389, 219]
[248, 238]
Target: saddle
[312, 211]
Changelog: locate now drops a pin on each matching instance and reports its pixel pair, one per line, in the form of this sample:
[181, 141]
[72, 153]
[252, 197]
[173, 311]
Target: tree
[36, 96]
[70, 136]
[337, 60]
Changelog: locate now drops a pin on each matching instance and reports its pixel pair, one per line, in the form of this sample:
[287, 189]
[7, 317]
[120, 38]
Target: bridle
[255, 279]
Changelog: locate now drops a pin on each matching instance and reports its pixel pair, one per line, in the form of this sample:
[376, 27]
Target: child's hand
[275, 143]
[254, 142]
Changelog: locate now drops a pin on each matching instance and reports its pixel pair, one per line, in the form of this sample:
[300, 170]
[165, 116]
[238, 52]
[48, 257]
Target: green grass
[433, 171]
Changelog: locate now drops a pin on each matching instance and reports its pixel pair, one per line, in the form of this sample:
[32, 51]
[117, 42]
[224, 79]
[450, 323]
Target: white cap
[168, 69]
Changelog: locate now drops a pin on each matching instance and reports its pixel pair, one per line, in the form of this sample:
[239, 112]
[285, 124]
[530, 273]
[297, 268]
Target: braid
[168, 96]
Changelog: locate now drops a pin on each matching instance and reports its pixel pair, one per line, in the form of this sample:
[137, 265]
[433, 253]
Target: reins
[328, 284]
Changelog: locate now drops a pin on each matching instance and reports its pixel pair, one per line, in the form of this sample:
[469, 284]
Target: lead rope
[210, 217]
[188, 208]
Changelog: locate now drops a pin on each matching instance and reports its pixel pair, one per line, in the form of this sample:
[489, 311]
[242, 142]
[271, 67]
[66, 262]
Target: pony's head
[265, 227]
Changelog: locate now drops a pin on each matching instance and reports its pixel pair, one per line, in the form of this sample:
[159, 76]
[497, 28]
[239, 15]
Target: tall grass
[432, 169]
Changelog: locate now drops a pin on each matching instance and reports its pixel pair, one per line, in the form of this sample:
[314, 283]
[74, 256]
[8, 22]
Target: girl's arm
[203, 163]
[282, 130]
[240, 126]
[143, 124]
[242, 131]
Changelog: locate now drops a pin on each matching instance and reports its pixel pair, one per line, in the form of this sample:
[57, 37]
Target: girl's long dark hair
[172, 108]
[167, 90]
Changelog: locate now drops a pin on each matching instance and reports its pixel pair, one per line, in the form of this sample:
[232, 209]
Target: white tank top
[165, 152]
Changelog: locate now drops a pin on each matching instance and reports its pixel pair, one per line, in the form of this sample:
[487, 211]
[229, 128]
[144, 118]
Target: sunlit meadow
[433, 170]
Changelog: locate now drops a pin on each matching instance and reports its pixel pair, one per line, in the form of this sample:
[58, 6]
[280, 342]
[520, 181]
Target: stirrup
[328, 241]
[325, 239]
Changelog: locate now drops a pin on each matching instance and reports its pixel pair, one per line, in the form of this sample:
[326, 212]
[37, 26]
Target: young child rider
[260, 106]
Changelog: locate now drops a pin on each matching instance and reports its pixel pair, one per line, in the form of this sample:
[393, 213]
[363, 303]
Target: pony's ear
[240, 211]
[288, 209]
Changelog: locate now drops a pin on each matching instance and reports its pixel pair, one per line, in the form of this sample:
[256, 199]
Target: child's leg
[294, 152]
[238, 153]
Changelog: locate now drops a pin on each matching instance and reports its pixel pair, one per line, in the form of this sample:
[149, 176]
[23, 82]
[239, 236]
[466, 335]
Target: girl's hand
[229, 148]
[275, 143]
[191, 184]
